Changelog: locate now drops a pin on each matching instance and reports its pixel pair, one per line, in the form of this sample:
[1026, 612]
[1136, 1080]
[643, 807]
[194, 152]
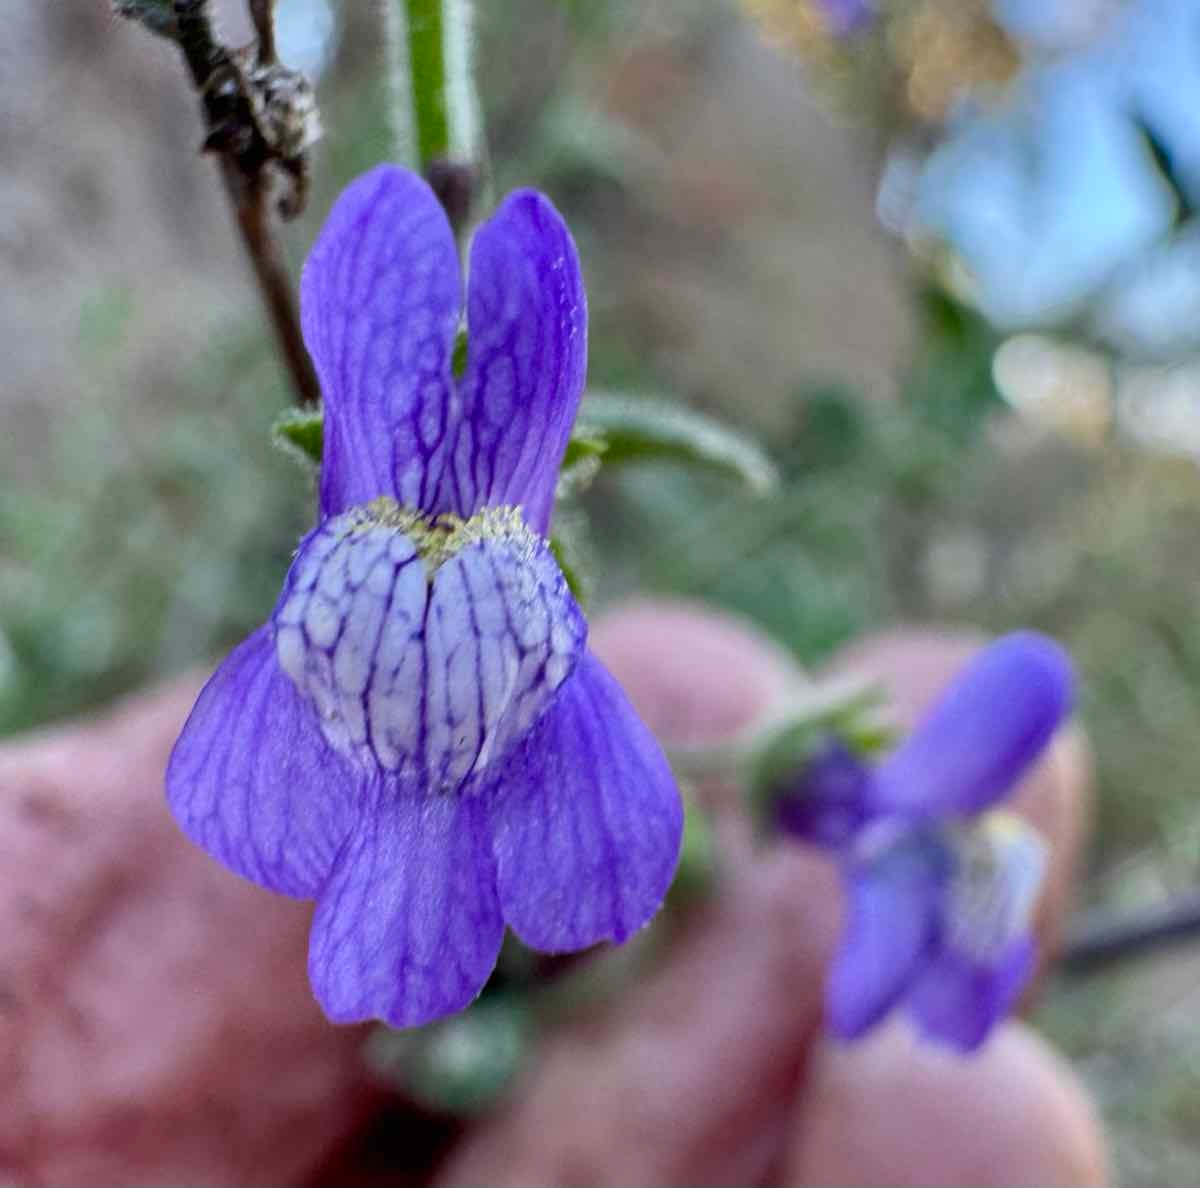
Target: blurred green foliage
[153, 536]
[158, 525]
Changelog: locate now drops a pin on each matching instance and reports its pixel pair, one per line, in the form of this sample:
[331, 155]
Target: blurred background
[941, 255]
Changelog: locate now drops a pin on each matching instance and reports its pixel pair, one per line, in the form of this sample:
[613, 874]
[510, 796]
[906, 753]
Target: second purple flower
[941, 885]
[419, 738]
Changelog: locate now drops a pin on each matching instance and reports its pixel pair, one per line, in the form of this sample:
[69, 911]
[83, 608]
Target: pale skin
[715, 1069]
[157, 1025]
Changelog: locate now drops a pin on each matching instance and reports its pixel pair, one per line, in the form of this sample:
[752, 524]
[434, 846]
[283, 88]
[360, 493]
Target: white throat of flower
[996, 876]
[428, 646]
[438, 538]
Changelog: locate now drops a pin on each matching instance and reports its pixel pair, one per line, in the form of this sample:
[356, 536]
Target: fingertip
[1057, 798]
[694, 673]
[894, 1110]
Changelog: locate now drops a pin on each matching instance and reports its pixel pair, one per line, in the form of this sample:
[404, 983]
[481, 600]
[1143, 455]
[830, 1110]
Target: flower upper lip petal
[381, 303]
[526, 362]
[984, 731]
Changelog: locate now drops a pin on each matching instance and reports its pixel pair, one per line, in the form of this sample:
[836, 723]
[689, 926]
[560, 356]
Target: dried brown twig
[260, 120]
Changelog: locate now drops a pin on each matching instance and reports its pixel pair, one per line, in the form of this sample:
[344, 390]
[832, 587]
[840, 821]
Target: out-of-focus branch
[1103, 941]
[262, 13]
[260, 120]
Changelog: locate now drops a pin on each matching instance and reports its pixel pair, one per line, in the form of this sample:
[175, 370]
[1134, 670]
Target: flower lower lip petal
[957, 1002]
[346, 626]
[891, 926]
[408, 926]
[586, 820]
[252, 781]
[427, 675]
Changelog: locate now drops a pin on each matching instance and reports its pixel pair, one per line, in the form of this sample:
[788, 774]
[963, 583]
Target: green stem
[827, 703]
[435, 110]
[427, 61]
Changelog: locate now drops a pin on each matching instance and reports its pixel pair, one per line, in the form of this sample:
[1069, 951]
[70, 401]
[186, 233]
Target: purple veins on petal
[408, 927]
[503, 635]
[984, 732]
[380, 302]
[348, 632]
[427, 675]
[252, 781]
[526, 362]
[586, 820]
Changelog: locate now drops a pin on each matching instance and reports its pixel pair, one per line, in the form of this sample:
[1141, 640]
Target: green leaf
[583, 445]
[580, 465]
[626, 429]
[300, 433]
[462, 1064]
[565, 556]
[633, 430]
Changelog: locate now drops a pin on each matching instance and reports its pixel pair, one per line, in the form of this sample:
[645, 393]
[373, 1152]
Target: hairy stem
[435, 110]
[427, 61]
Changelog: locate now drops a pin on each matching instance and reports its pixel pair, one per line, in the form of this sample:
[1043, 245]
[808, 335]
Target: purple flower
[419, 738]
[846, 17]
[940, 891]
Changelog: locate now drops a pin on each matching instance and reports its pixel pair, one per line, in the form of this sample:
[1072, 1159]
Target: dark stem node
[455, 184]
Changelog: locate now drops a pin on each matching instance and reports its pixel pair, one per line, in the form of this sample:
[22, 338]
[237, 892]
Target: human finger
[692, 1077]
[891, 1110]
